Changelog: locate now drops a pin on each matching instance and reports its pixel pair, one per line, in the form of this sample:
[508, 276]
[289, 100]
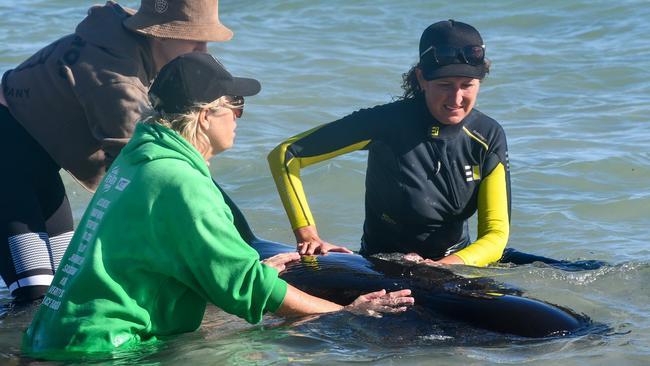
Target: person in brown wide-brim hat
[196, 20]
[75, 109]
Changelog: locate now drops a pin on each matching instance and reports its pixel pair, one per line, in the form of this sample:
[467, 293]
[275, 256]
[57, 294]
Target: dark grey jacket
[80, 96]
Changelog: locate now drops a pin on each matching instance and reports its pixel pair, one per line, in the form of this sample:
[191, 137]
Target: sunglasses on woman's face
[237, 104]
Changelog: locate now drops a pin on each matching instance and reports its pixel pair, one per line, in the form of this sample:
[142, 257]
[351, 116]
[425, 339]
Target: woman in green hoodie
[157, 241]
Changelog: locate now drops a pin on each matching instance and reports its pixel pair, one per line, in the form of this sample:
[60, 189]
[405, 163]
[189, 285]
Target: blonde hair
[187, 123]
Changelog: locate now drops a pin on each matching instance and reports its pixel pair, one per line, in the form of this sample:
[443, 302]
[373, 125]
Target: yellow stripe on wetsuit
[475, 138]
[286, 173]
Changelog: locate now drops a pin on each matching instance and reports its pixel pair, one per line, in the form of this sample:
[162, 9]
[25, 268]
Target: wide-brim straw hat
[193, 20]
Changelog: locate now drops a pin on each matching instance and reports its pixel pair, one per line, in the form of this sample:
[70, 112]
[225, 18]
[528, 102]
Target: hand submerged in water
[379, 302]
[414, 257]
[450, 259]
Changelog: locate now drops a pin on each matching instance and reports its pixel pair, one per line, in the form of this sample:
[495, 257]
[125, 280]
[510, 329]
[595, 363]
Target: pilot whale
[478, 302]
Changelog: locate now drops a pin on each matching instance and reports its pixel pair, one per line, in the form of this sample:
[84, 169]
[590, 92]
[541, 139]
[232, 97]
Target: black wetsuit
[35, 216]
[423, 178]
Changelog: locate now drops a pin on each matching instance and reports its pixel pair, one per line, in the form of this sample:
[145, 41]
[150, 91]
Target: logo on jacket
[472, 173]
[160, 6]
[435, 131]
[111, 178]
[388, 219]
[122, 183]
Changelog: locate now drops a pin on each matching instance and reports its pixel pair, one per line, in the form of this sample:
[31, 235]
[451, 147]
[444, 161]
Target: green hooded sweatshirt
[156, 243]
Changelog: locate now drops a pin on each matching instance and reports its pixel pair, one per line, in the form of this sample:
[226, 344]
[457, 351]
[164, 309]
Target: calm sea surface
[570, 84]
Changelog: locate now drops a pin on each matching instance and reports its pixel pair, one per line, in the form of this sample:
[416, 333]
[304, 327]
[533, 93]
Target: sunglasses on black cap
[446, 55]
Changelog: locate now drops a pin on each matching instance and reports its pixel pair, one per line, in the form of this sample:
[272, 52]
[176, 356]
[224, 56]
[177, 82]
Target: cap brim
[244, 87]
[462, 70]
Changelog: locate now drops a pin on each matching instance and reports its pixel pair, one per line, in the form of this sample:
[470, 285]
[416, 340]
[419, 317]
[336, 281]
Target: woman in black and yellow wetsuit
[433, 161]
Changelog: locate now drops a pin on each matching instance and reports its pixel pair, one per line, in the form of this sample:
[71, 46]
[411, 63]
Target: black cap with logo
[451, 48]
[196, 78]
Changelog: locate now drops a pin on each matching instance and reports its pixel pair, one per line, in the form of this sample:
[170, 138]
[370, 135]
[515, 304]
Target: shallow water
[570, 84]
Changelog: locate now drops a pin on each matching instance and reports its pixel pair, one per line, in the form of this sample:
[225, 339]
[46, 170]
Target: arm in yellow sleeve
[493, 221]
[285, 166]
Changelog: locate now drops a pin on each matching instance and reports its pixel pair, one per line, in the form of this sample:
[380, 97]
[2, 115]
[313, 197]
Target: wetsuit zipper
[445, 169]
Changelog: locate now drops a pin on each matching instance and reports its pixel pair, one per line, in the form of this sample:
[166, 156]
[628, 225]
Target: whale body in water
[438, 292]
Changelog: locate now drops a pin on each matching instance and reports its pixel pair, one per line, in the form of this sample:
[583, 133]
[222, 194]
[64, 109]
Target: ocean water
[570, 84]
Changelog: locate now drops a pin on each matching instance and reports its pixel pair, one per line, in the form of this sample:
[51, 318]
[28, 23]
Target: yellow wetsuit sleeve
[285, 168]
[493, 221]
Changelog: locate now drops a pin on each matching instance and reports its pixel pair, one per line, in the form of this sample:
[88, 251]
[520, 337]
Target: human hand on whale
[279, 261]
[309, 243]
[415, 257]
[371, 304]
[379, 302]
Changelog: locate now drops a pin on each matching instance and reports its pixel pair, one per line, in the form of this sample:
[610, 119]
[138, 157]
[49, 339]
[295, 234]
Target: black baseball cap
[195, 78]
[451, 48]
